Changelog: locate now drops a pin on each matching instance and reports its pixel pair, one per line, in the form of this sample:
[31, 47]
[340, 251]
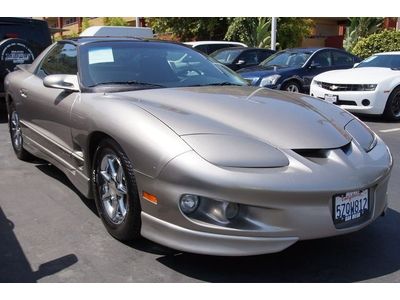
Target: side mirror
[355, 65]
[63, 82]
[240, 62]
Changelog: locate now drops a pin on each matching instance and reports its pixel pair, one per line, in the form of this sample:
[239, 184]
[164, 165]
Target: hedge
[385, 41]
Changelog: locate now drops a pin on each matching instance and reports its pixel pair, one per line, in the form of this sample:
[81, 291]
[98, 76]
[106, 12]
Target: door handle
[23, 93]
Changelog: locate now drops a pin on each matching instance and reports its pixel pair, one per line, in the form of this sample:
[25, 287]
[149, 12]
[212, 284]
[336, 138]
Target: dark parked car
[238, 57]
[21, 41]
[293, 69]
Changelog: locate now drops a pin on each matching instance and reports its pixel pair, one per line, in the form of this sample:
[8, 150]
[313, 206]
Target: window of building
[69, 21]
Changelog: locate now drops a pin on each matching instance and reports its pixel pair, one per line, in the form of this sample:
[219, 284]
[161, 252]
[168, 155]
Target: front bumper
[201, 242]
[352, 101]
[285, 204]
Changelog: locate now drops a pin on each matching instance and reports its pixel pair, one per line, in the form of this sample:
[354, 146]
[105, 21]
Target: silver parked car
[176, 148]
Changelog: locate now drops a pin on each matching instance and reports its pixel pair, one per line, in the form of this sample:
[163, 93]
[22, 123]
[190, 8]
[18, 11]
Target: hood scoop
[318, 155]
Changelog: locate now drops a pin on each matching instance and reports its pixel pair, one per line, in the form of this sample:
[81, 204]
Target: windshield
[287, 59]
[382, 61]
[150, 65]
[226, 56]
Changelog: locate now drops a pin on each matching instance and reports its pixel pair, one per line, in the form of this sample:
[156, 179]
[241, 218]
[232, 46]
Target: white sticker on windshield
[101, 55]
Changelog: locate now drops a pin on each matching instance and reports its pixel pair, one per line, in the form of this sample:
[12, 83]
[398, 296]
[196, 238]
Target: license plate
[331, 98]
[351, 206]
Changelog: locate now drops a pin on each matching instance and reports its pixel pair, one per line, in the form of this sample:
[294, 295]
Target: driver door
[47, 110]
[319, 63]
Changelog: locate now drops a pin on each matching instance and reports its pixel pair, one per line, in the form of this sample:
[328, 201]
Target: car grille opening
[316, 155]
[347, 87]
[313, 153]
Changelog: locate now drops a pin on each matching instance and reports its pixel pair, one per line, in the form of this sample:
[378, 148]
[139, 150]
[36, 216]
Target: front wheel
[17, 140]
[392, 108]
[291, 86]
[115, 191]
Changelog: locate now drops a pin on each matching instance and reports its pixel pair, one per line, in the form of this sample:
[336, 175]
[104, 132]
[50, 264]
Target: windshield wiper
[130, 82]
[225, 83]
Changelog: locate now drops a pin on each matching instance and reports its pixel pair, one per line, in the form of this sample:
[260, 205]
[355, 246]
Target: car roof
[197, 43]
[311, 49]
[388, 53]
[15, 20]
[242, 48]
[93, 39]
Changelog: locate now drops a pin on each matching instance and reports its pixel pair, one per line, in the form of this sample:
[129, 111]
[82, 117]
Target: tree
[384, 41]
[256, 32]
[85, 23]
[360, 27]
[118, 21]
[186, 29]
[291, 31]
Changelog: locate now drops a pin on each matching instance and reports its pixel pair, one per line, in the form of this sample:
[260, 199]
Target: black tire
[129, 228]
[291, 84]
[19, 149]
[392, 108]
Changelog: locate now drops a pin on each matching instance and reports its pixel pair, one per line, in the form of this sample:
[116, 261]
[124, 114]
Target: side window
[342, 59]
[202, 48]
[60, 60]
[263, 55]
[322, 59]
[249, 57]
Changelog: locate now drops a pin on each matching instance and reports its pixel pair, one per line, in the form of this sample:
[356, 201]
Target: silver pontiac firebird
[176, 148]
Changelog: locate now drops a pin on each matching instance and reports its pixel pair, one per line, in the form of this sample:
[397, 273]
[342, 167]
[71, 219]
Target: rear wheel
[115, 191]
[291, 86]
[17, 140]
[392, 108]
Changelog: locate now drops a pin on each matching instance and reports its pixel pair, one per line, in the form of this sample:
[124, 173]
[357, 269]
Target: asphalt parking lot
[49, 233]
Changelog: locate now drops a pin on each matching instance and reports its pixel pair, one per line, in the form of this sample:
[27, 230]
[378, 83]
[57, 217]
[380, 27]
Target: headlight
[368, 87]
[316, 82]
[270, 80]
[362, 134]
[235, 151]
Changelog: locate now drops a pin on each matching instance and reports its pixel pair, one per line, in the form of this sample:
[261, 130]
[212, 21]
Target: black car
[293, 69]
[21, 41]
[239, 57]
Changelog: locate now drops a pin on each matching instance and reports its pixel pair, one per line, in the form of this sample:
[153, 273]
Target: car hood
[261, 71]
[281, 119]
[367, 75]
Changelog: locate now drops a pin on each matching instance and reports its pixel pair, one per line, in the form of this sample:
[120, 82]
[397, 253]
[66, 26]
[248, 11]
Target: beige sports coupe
[177, 148]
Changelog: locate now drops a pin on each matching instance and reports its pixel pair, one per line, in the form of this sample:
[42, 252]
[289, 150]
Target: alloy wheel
[292, 88]
[395, 105]
[112, 188]
[15, 127]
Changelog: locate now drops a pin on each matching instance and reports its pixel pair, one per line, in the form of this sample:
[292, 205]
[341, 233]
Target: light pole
[274, 24]
[138, 22]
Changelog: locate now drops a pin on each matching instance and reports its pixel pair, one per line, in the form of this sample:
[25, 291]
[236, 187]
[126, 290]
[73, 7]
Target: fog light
[189, 203]
[365, 102]
[231, 210]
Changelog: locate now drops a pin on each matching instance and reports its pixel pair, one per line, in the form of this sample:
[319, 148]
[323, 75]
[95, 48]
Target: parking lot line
[389, 130]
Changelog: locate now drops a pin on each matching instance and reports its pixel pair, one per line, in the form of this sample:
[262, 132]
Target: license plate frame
[331, 98]
[351, 207]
